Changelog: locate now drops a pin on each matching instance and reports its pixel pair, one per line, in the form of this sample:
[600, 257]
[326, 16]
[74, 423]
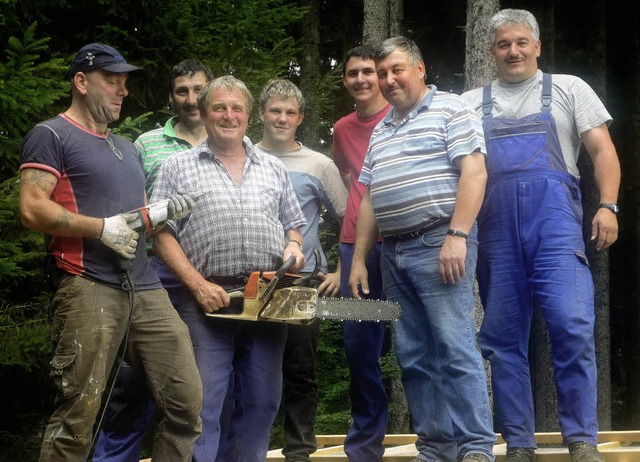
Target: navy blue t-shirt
[92, 181]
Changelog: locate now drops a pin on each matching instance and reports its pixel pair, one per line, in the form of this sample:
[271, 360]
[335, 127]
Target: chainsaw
[278, 296]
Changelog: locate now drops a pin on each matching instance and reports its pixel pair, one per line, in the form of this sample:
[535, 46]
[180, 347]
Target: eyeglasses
[115, 150]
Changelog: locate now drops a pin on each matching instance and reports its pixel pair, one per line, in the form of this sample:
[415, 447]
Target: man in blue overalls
[530, 232]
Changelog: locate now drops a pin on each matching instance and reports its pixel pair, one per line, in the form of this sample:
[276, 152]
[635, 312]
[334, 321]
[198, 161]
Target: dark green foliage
[21, 250]
[333, 385]
[28, 89]
[24, 336]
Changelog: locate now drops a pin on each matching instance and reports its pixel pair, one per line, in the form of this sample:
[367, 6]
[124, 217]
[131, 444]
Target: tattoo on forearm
[40, 179]
[64, 220]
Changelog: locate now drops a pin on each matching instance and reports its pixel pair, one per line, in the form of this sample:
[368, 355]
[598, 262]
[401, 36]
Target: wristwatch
[613, 207]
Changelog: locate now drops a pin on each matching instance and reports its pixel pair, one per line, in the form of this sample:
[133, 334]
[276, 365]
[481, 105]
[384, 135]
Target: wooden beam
[623, 446]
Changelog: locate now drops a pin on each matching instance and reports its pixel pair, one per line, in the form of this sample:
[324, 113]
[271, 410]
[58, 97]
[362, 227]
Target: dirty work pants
[89, 323]
[130, 409]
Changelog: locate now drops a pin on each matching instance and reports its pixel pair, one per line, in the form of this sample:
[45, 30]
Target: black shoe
[476, 457]
[582, 451]
[521, 455]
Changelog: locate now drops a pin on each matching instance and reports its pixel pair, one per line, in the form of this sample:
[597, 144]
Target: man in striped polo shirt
[425, 169]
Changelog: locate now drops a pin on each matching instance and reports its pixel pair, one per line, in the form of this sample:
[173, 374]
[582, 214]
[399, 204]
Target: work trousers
[533, 250]
[89, 323]
[240, 363]
[130, 409]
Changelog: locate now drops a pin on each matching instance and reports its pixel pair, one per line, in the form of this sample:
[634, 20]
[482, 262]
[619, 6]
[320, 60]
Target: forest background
[304, 40]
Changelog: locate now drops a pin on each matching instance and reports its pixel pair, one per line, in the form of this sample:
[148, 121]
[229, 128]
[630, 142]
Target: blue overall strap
[487, 105]
[546, 92]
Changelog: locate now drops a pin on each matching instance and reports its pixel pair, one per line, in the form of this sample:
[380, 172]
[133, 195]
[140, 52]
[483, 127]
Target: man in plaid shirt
[248, 220]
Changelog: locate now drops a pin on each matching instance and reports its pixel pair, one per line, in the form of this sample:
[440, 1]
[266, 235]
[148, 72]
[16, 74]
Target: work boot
[582, 451]
[521, 455]
[476, 457]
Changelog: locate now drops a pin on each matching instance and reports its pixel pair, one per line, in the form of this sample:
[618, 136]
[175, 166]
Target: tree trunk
[599, 261]
[479, 68]
[399, 415]
[309, 131]
[382, 19]
[396, 17]
[376, 21]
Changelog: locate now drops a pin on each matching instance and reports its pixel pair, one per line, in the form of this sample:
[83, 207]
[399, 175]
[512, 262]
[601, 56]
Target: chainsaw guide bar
[353, 309]
[278, 296]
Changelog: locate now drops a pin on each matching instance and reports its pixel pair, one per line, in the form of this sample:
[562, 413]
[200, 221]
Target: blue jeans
[240, 364]
[435, 343]
[363, 342]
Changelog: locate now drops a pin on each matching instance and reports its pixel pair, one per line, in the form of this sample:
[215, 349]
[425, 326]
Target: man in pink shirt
[363, 340]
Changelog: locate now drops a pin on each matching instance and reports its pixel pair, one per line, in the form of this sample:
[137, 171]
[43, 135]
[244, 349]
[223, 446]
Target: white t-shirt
[575, 107]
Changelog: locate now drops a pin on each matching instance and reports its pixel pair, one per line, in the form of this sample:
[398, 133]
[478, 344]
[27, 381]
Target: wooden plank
[623, 446]
[615, 447]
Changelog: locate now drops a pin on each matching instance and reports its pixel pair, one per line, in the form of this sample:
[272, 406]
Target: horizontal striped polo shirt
[409, 166]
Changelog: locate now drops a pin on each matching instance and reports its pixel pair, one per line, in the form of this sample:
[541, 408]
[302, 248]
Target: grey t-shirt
[575, 107]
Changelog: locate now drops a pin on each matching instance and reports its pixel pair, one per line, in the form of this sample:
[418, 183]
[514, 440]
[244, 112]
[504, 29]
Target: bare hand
[211, 297]
[451, 262]
[604, 228]
[293, 250]
[330, 285]
[359, 278]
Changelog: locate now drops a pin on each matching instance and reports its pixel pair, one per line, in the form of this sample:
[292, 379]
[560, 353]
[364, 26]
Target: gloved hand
[118, 235]
[180, 205]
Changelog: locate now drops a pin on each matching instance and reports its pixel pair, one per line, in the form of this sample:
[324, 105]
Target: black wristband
[455, 232]
[613, 207]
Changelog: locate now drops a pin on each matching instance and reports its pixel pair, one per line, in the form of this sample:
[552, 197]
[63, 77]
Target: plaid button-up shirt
[233, 230]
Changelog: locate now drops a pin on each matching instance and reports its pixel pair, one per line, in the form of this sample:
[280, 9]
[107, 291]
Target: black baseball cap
[99, 56]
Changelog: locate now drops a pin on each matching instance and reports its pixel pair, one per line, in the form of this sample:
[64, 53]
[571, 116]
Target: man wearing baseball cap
[99, 56]
[78, 180]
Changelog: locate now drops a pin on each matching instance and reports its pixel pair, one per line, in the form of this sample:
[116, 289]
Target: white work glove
[180, 205]
[118, 236]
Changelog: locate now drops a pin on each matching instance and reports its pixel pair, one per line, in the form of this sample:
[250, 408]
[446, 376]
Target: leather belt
[229, 280]
[419, 232]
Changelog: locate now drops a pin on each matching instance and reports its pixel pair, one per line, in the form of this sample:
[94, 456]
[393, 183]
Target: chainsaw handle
[286, 266]
[268, 290]
[236, 293]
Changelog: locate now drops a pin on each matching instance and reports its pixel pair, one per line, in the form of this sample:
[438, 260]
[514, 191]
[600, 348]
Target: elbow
[27, 217]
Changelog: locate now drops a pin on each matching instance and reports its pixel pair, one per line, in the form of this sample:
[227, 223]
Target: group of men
[436, 183]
